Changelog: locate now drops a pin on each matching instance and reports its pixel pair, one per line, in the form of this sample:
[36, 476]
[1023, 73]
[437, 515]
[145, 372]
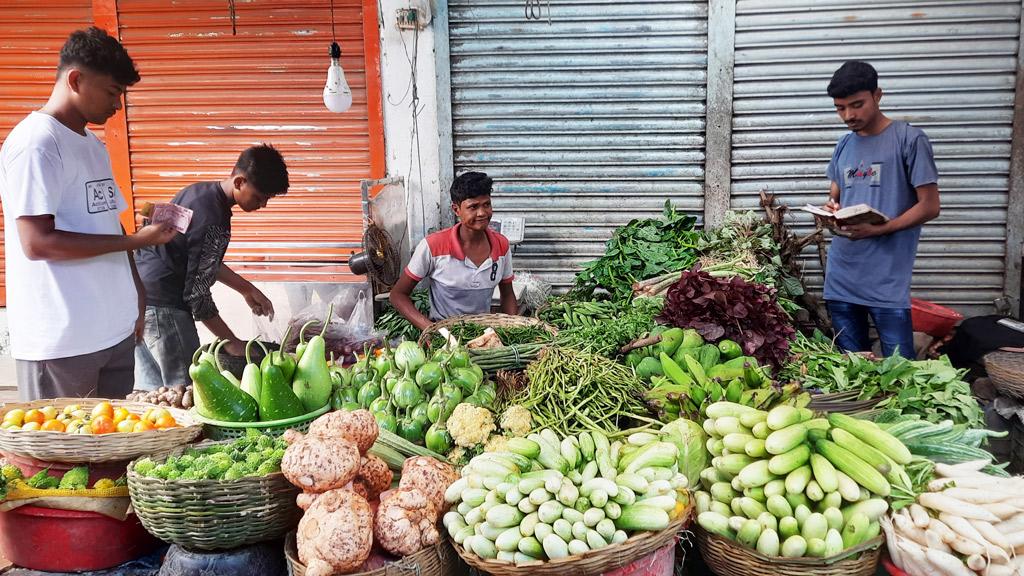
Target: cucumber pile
[792, 485]
[550, 497]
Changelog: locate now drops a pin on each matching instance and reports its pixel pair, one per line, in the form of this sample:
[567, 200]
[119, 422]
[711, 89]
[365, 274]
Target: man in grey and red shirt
[464, 263]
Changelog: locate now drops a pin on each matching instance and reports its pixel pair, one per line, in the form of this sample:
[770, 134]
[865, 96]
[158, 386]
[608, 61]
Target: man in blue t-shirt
[888, 165]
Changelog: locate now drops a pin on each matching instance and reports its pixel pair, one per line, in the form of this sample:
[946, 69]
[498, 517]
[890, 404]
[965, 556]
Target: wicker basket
[438, 560]
[86, 448]
[487, 320]
[727, 558]
[589, 563]
[221, 430]
[1006, 371]
[214, 514]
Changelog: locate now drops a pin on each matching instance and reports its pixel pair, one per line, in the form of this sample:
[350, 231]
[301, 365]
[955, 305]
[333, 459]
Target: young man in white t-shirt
[73, 296]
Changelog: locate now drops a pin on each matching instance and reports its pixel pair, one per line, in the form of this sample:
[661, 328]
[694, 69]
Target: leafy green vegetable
[607, 336]
[933, 389]
[639, 250]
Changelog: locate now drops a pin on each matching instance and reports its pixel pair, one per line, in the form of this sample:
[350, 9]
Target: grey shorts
[170, 340]
[108, 373]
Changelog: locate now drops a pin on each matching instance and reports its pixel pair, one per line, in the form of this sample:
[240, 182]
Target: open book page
[849, 216]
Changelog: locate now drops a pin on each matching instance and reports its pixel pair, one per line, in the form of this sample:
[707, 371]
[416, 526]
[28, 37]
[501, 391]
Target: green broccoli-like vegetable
[268, 468]
[11, 472]
[75, 479]
[144, 467]
[3, 488]
[162, 471]
[43, 481]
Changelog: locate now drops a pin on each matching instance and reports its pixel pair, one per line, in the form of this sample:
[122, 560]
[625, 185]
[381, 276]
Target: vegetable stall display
[550, 496]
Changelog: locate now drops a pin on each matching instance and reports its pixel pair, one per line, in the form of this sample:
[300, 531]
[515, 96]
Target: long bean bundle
[571, 391]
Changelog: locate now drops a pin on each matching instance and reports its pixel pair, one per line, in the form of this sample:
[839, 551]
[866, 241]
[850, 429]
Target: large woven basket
[214, 514]
[438, 560]
[727, 558]
[221, 430]
[1006, 371]
[87, 448]
[487, 320]
[589, 563]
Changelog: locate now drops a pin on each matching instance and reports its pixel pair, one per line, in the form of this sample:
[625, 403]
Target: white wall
[418, 162]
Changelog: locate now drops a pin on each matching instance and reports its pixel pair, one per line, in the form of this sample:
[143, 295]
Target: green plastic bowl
[221, 430]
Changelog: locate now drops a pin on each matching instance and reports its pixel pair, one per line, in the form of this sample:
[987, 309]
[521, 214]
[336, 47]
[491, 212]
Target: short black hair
[98, 52]
[852, 77]
[263, 166]
[471, 185]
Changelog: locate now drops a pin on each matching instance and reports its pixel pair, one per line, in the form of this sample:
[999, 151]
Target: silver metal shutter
[947, 67]
[585, 121]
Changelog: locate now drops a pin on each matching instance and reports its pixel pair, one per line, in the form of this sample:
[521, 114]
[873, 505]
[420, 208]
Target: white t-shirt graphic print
[63, 308]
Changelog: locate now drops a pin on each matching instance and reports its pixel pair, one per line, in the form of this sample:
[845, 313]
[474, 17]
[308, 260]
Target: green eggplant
[312, 383]
[419, 412]
[360, 378]
[381, 403]
[633, 359]
[350, 406]
[390, 380]
[252, 379]
[410, 428]
[336, 383]
[429, 376]
[386, 421]
[277, 400]
[368, 392]
[344, 395]
[478, 371]
[405, 393]
[466, 379]
[459, 358]
[383, 363]
[341, 373]
[438, 439]
[337, 399]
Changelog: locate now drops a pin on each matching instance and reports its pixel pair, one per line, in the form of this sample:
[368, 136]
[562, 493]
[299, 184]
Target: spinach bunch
[643, 248]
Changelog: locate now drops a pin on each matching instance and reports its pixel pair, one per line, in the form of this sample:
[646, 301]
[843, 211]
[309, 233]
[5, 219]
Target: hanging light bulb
[337, 95]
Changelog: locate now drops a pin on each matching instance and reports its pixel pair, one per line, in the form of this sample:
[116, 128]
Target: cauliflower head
[496, 443]
[470, 425]
[517, 420]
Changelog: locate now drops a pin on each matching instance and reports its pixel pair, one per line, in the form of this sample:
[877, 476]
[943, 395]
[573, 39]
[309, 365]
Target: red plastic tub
[932, 319]
[68, 541]
[890, 567]
[29, 466]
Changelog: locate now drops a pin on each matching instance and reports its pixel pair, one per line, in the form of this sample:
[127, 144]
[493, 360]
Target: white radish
[1015, 539]
[890, 538]
[939, 527]
[943, 503]
[968, 469]
[991, 534]
[976, 495]
[917, 561]
[934, 540]
[907, 528]
[1003, 510]
[976, 563]
[966, 532]
[919, 515]
[981, 481]
[1014, 524]
[947, 563]
[963, 528]
[1000, 570]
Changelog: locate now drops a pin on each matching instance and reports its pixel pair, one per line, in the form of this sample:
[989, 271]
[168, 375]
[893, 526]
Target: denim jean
[894, 327]
[169, 341]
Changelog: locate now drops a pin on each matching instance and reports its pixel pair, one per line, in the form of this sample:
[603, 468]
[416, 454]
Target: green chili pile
[571, 391]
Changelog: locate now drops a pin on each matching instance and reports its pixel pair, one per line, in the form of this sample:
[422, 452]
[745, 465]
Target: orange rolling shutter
[31, 35]
[215, 82]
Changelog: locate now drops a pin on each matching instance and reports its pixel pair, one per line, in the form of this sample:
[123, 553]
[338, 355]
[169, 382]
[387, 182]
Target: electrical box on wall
[416, 16]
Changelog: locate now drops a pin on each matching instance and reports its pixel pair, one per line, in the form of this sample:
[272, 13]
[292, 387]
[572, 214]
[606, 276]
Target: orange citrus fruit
[166, 421]
[16, 417]
[49, 412]
[53, 426]
[34, 415]
[142, 426]
[126, 425]
[156, 414]
[103, 409]
[102, 424]
[30, 426]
